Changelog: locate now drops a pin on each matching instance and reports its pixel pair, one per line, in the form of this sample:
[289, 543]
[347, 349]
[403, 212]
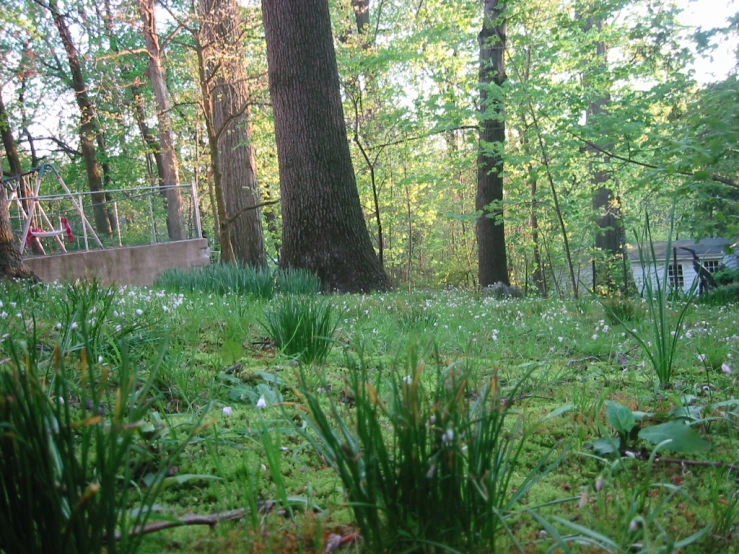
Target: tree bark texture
[88, 124]
[493, 265]
[11, 263]
[324, 229]
[361, 15]
[228, 91]
[175, 222]
[607, 210]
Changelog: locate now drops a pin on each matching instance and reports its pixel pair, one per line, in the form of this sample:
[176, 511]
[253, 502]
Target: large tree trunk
[228, 104]
[136, 103]
[175, 222]
[11, 263]
[88, 124]
[493, 266]
[323, 225]
[607, 209]
[361, 15]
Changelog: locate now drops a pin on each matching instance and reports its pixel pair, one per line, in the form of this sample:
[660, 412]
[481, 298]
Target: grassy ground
[221, 365]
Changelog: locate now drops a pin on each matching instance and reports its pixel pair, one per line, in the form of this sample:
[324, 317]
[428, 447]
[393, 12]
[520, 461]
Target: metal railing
[65, 221]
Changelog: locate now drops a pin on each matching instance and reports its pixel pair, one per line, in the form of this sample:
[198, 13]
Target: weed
[664, 336]
[69, 452]
[297, 281]
[219, 278]
[302, 326]
[423, 468]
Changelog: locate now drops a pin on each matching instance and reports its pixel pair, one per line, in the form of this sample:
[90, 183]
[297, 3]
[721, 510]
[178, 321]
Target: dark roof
[705, 248]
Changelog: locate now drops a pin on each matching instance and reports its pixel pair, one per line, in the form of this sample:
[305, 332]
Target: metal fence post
[153, 223]
[118, 221]
[196, 211]
[84, 227]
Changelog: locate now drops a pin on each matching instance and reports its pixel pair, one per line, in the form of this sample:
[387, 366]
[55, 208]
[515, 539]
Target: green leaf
[231, 351]
[620, 417]
[559, 411]
[606, 445]
[683, 438]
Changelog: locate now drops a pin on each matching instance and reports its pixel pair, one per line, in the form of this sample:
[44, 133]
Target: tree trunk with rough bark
[11, 263]
[493, 265]
[88, 124]
[324, 229]
[175, 221]
[606, 207]
[361, 15]
[229, 111]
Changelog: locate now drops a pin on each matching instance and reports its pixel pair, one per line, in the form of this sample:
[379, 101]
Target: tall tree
[11, 263]
[89, 125]
[493, 266]
[170, 171]
[609, 232]
[323, 225]
[227, 111]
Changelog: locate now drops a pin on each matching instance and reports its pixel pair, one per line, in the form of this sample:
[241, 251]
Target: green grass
[220, 360]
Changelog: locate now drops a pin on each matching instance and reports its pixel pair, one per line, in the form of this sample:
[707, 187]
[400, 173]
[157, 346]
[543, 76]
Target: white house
[712, 253]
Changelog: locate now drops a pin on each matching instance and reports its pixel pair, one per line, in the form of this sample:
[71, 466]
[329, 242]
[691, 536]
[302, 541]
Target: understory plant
[72, 441]
[626, 513]
[428, 460]
[302, 326]
[219, 278]
[664, 335]
[297, 281]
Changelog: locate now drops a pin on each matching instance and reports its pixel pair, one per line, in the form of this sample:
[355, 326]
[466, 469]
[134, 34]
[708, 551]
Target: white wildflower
[447, 437]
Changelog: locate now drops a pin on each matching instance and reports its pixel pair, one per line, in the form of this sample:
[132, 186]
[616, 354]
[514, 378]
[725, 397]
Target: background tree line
[504, 140]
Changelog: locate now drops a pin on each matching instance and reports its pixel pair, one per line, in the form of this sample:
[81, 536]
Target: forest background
[607, 109]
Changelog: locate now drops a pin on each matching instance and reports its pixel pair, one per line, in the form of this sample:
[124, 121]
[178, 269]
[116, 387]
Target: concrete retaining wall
[135, 265]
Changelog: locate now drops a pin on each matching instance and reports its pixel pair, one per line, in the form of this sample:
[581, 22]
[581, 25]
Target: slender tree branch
[713, 177]
[425, 135]
[231, 219]
[211, 521]
[63, 146]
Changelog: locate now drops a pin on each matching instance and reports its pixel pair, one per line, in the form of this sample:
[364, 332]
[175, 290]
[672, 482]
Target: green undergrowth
[562, 375]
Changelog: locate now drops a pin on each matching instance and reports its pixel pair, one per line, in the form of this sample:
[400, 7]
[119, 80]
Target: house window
[711, 265]
[680, 279]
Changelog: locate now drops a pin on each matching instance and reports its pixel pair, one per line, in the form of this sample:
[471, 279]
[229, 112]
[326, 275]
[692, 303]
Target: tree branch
[426, 135]
[63, 146]
[713, 177]
[231, 219]
[211, 520]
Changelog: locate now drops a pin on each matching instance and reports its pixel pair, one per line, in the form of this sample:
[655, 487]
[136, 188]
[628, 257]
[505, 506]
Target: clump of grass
[413, 314]
[297, 281]
[661, 346]
[621, 309]
[69, 447]
[303, 327]
[424, 467]
[220, 279]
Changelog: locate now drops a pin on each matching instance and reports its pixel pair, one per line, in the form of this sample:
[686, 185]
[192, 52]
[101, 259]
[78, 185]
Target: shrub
[726, 276]
[426, 467]
[725, 294]
[302, 326]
